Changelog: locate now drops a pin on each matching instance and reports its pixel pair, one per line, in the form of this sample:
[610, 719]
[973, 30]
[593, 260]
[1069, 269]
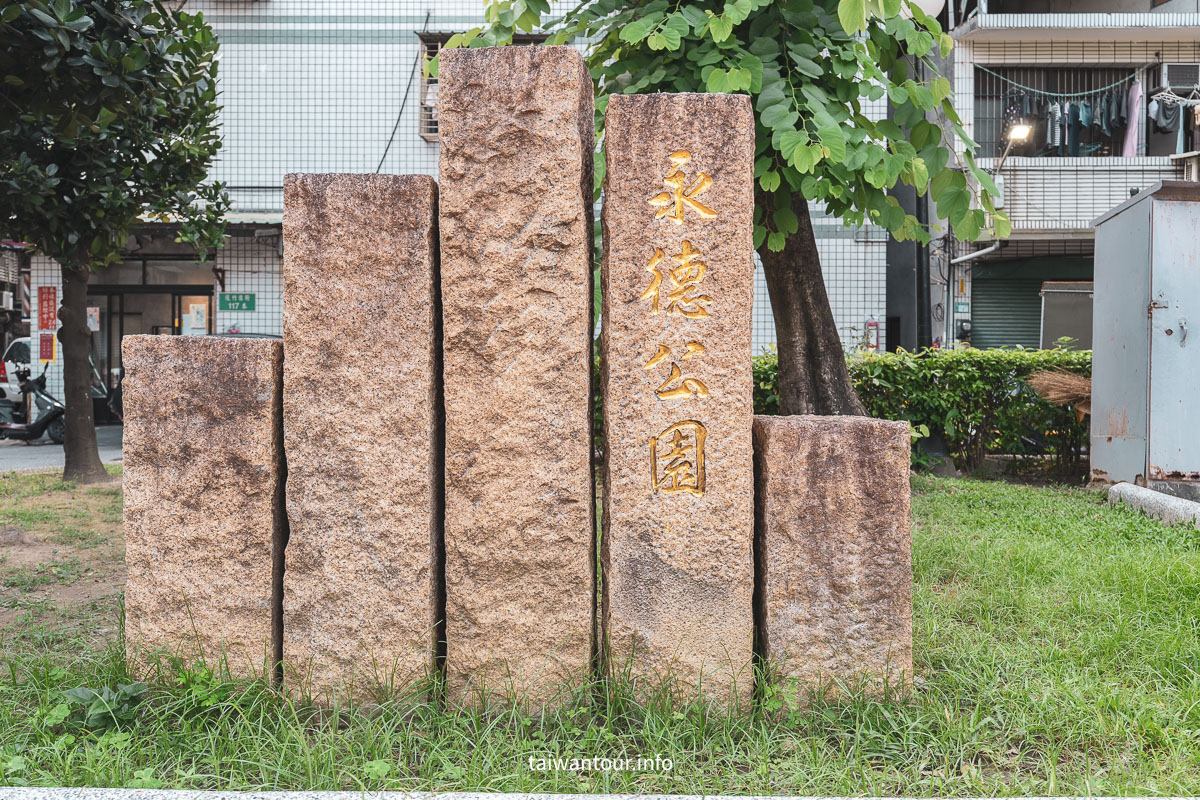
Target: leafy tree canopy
[810, 65]
[110, 116]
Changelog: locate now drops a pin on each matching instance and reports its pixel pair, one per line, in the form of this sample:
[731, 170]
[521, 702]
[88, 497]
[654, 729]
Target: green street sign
[236, 301]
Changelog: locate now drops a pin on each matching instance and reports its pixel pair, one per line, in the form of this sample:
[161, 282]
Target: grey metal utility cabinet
[1146, 341]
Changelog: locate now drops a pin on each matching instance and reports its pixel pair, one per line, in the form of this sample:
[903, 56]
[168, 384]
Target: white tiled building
[1010, 47]
[336, 86]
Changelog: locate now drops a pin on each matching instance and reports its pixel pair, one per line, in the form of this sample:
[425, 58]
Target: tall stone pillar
[516, 243]
[833, 548]
[204, 526]
[678, 277]
[362, 427]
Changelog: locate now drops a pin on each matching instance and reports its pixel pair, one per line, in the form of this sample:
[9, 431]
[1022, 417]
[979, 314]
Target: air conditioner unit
[6, 301]
[1181, 76]
[1191, 165]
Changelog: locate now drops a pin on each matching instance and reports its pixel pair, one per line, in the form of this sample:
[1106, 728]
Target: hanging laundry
[1085, 113]
[1132, 103]
[1100, 118]
[1166, 116]
[1054, 126]
[1074, 119]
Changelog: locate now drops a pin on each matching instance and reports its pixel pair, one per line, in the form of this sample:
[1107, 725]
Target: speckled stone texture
[678, 276]
[833, 550]
[362, 430]
[204, 527]
[516, 244]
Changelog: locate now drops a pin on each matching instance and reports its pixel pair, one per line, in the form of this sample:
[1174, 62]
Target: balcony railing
[1066, 194]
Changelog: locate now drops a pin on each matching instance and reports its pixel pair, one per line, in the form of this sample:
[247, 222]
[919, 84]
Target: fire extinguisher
[873, 335]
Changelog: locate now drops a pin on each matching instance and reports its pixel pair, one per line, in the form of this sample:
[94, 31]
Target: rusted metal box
[1146, 341]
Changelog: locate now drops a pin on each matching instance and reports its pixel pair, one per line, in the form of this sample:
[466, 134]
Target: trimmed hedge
[978, 399]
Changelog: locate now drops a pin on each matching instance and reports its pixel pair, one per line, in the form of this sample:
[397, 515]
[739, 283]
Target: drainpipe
[950, 285]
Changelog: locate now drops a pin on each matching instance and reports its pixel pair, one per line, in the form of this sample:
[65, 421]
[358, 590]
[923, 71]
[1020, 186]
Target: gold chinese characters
[671, 204]
[677, 454]
[677, 459]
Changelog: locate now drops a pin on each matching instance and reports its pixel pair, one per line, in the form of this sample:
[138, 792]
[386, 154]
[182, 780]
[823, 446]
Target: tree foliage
[811, 66]
[110, 116]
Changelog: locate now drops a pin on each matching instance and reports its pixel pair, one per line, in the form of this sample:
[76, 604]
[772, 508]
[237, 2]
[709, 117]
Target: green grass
[1057, 651]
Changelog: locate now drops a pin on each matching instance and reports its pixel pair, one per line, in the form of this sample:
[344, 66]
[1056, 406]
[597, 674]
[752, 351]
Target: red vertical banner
[46, 347]
[47, 308]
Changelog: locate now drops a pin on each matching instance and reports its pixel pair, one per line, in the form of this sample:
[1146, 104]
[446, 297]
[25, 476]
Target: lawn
[1057, 652]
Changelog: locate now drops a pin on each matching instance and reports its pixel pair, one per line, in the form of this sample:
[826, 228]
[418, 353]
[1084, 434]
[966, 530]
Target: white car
[15, 357]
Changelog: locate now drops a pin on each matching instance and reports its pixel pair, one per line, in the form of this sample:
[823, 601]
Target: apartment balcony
[1061, 196]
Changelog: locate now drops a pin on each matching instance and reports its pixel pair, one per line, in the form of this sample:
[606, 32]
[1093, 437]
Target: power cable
[404, 102]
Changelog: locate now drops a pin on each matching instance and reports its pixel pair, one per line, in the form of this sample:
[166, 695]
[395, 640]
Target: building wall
[1085, 6]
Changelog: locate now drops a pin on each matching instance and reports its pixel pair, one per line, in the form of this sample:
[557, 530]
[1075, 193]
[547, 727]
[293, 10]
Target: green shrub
[978, 399]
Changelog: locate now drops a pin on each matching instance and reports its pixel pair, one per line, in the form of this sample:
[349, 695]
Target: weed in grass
[26, 579]
[27, 517]
[79, 538]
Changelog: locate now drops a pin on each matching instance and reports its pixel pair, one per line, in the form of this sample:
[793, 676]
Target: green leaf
[639, 29]
[785, 220]
[718, 81]
[776, 241]
[1002, 225]
[834, 138]
[941, 89]
[739, 79]
[790, 140]
[853, 15]
[720, 28]
[777, 114]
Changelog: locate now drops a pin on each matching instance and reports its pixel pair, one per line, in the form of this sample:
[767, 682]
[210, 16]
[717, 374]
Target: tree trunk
[82, 454]
[813, 378]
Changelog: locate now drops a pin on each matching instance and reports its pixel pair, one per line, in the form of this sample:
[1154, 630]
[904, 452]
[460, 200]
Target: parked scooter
[49, 411]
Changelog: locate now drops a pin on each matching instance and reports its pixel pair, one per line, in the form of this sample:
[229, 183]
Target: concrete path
[44, 454]
[1170, 509]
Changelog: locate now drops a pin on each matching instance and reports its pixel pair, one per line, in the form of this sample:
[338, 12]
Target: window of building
[1071, 111]
[431, 44]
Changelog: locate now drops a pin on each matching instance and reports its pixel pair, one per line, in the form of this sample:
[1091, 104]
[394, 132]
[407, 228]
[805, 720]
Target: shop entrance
[159, 296]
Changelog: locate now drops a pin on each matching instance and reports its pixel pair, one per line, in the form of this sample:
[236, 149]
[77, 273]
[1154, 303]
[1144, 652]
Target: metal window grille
[427, 123]
[431, 45]
[994, 94]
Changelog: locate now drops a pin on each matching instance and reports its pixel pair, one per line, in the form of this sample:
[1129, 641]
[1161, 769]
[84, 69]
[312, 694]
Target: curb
[1168, 508]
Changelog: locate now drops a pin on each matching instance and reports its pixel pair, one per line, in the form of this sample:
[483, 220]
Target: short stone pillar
[204, 528]
[362, 428]
[516, 257]
[833, 548]
[678, 278]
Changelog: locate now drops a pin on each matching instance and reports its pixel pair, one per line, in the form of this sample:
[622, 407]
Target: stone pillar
[678, 278]
[833, 548]
[516, 245]
[362, 428]
[204, 525]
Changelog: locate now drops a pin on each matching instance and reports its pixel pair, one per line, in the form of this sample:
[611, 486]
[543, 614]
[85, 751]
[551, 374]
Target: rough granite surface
[203, 512]
[833, 548]
[678, 276]
[362, 431]
[516, 242]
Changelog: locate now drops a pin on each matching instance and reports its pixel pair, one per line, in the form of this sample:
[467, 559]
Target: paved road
[44, 454]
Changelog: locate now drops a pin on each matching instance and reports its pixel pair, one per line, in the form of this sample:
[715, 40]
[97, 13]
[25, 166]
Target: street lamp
[1017, 133]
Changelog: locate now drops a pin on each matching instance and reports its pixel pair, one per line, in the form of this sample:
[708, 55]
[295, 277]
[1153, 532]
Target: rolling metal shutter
[1006, 312]
[1006, 299]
